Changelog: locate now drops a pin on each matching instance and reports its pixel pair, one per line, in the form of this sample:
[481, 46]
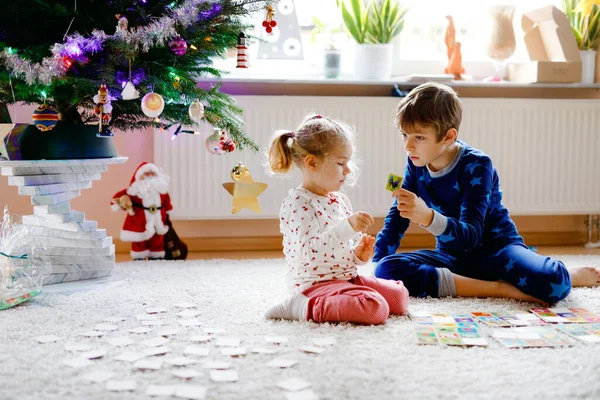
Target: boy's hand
[413, 207]
[365, 248]
[361, 221]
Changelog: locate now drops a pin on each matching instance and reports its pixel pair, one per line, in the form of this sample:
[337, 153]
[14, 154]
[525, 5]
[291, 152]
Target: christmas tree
[62, 52]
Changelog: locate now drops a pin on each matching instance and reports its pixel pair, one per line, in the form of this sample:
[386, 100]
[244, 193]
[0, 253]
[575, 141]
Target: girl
[323, 239]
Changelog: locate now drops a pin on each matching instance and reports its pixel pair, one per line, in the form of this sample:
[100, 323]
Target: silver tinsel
[155, 34]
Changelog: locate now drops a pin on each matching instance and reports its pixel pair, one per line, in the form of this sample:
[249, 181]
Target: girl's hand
[361, 221]
[365, 248]
[413, 207]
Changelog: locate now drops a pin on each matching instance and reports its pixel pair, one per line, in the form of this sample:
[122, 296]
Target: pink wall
[95, 202]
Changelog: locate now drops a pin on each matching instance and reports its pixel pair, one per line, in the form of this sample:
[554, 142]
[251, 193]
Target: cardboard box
[552, 49]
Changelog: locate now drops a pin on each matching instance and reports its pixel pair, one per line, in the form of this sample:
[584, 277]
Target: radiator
[546, 153]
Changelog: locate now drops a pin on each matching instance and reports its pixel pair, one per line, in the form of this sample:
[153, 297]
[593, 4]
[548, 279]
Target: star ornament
[244, 190]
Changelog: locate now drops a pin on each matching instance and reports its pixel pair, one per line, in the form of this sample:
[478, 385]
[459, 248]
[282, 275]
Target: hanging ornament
[45, 118]
[242, 57]
[196, 111]
[269, 23]
[213, 143]
[244, 190]
[153, 105]
[122, 24]
[178, 46]
[103, 110]
[227, 144]
[130, 92]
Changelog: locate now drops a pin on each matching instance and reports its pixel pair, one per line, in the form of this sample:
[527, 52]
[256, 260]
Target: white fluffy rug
[382, 362]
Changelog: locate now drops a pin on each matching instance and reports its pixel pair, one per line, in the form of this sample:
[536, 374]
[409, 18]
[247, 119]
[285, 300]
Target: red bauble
[269, 29]
[265, 24]
[273, 23]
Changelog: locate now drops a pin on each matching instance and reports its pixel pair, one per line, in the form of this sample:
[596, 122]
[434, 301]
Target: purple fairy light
[137, 76]
[209, 14]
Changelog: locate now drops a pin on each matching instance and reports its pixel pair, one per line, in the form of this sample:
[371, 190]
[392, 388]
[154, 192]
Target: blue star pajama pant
[541, 277]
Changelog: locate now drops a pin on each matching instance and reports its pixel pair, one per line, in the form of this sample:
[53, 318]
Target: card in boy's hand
[393, 182]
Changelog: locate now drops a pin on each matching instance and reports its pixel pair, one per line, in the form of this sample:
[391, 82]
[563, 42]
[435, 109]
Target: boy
[453, 191]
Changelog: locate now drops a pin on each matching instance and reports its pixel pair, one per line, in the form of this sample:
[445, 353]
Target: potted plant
[373, 27]
[329, 36]
[584, 16]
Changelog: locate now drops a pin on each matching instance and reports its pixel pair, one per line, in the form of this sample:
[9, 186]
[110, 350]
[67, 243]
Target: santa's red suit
[146, 225]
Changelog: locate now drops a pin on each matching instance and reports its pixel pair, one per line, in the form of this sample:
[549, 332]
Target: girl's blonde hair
[316, 135]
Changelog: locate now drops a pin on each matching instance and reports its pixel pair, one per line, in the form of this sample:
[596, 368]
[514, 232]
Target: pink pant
[363, 300]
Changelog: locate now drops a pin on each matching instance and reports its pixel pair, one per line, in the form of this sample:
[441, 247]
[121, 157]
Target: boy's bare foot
[585, 276]
[512, 292]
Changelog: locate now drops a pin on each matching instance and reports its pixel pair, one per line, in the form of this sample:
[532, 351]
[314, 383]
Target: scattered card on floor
[191, 392]
[77, 362]
[155, 342]
[47, 339]
[186, 373]
[190, 322]
[185, 305]
[393, 182]
[106, 327]
[200, 338]
[324, 341]
[214, 331]
[119, 341]
[141, 329]
[114, 319]
[188, 313]
[168, 332]
[161, 390]
[120, 386]
[147, 317]
[152, 323]
[260, 350]
[93, 334]
[94, 354]
[223, 376]
[130, 356]
[281, 363]
[294, 384]
[181, 361]
[276, 339]
[216, 365]
[156, 310]
[301, 395]
[156, 351]
[196, 351]
[233, 351]
[230, 342]
[97, 376]
[148, 364]
[311, 349]
[77, 347]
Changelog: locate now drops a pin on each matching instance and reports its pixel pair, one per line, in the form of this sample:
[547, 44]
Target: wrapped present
[21, 271]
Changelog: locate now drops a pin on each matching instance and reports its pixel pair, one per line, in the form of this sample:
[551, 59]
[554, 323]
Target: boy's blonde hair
[430, 105]
[316, 135]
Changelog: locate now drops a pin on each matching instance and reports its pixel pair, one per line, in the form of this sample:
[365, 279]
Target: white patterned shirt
[318, 240]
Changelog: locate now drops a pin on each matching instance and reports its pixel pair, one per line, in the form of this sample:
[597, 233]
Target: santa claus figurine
[147, 203]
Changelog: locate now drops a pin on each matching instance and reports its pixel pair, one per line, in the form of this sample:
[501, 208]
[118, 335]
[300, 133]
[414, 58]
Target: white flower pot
[373, 61]
[588, 61]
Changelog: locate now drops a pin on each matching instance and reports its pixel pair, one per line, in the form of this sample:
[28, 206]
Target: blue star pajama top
[475, 236]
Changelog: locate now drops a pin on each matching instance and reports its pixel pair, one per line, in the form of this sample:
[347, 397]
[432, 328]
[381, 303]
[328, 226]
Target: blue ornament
[45, 118]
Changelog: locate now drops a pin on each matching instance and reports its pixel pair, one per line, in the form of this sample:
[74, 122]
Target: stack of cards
[587, 333]
[565, 315]
[450, 335]
[507, 319]
[534, 336]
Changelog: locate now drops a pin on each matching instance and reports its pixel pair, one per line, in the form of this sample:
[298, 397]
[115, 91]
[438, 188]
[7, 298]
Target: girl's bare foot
[512, 292]
[585, 276]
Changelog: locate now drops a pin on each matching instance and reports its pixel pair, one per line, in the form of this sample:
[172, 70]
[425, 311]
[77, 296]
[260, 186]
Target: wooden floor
[544, 250]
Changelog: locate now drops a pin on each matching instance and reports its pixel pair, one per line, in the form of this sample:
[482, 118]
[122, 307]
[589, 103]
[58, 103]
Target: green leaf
[351, 24]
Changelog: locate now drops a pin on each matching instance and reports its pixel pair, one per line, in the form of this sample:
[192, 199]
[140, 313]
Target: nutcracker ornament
[103, 110]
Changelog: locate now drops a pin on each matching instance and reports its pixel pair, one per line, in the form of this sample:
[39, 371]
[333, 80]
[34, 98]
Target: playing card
[161, 390]
[120, 386]
[294, 384]
[186, 373]
[216, 365]
[214, 331]
[77, 347]
[141, 329]
[77, 362]
[301, 395]
[155, 342]
[181, 361]
[97, 376]
[260, 350]
[281, 363]
[168, 332]
[324, 341]
[156, 310]
[106, 327]
[119, 341]
[200, 338]
[47, 339]
[185, 305]
[190, 322]
[114, 319]
[188, 313]
[146, 317]
[156, 351]
[130, 356]
[233, 351]
[393, 182]
[196, 351]
[230, 342]
[148, 364]
[152, 323]
[191, 392]
[223, 376]
[92, 334]
[94, 354]
[311, 349]
[276, 339]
